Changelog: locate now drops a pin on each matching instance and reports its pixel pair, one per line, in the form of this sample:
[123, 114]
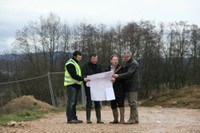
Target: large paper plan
[101, 86]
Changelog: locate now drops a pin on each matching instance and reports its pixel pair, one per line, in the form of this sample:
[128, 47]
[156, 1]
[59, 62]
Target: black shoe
[114, 122]
[73, 122]
[100, 122]
[89, 122]
[80, 121]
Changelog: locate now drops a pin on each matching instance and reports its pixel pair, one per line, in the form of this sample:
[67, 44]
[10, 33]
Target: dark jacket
[131, 76]
[118, 84]
[89, 69]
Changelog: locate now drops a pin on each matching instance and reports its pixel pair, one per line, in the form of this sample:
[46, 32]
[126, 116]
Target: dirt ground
[152, 120]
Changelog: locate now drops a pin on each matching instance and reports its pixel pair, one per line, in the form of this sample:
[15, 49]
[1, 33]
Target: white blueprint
[101, 87]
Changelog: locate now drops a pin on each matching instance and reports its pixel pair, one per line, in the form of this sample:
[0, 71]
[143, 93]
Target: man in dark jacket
[73, 81]
[88, 69]
[132, 85]
[118, 90]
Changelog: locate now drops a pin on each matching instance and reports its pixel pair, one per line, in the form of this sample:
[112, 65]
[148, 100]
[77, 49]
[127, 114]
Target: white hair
[127, 52]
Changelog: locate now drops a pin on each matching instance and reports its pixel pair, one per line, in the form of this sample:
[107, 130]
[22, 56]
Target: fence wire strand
[38, 87]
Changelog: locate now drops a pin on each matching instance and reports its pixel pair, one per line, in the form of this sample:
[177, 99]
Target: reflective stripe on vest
[68, 80]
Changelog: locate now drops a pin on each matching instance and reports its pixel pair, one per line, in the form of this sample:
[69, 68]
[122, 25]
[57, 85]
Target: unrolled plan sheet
[101, 87]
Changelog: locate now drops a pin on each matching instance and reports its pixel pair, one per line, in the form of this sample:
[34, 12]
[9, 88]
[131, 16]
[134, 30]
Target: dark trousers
[118, 102]
[72, 93]
[89, 101]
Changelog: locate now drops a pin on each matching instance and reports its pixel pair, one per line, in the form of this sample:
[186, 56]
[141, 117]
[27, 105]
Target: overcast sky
[14, 14]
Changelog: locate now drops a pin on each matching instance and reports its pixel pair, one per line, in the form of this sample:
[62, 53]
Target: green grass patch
[183, 102]
[23, 115]
[162, 99]
[25, 108]
[197, 106]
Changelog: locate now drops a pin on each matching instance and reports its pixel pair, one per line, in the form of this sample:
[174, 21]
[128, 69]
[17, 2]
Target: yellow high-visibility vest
[68, 80]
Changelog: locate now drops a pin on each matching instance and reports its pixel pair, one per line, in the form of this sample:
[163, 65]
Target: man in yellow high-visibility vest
[72, 81]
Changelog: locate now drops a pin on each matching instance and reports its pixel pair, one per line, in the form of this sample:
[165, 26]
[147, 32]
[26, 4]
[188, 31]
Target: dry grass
[25, 103]
[187, 97]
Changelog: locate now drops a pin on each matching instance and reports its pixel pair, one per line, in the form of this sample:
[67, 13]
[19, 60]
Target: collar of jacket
[75, 60]
[89, 63]
[131, 59]
[116, 69]
[116, 66]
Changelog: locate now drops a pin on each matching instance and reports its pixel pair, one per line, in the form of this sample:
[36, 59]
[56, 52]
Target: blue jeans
[72, 93]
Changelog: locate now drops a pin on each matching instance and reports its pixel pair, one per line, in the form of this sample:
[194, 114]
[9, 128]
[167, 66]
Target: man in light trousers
[132, 84]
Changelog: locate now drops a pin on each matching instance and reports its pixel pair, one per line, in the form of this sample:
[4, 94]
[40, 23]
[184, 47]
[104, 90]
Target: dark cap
[76, 53]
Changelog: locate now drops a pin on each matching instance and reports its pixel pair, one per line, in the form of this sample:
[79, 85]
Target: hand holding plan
[101, 86]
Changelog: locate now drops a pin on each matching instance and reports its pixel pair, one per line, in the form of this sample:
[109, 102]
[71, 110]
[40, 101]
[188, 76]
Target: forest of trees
[168, 54]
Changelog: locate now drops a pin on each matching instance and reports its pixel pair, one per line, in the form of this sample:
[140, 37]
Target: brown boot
[121, 110]
[115, 115]
[133, 116]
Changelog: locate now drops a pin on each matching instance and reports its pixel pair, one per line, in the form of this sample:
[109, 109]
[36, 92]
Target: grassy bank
[187, 97]
[24, 108]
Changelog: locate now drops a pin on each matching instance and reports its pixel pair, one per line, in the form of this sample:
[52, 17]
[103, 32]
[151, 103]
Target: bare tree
[52, 35]
[41, 38]
[195, 54]
[168, 55]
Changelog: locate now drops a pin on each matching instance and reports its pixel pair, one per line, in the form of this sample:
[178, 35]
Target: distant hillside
[11, 57]
[187, 97]
[7, 61]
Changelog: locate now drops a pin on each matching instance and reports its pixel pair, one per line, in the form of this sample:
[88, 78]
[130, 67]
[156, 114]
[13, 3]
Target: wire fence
[48, 88]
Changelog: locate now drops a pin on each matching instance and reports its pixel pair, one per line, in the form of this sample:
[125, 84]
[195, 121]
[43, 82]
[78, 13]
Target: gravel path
[152, 120]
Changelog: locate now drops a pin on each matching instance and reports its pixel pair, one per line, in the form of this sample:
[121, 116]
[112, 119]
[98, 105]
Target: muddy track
[152, 120]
